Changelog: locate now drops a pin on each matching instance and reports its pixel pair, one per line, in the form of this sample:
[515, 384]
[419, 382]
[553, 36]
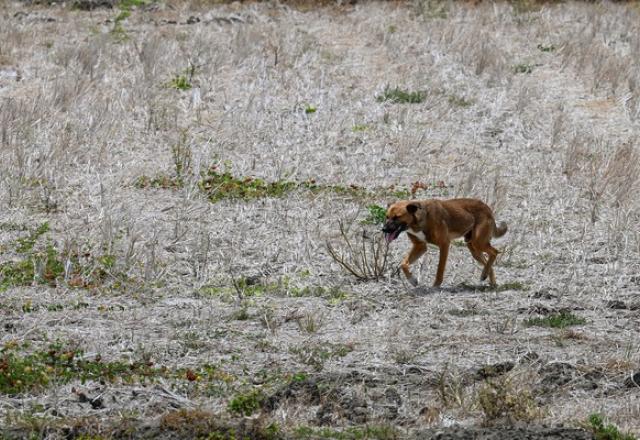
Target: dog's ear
[412, 208]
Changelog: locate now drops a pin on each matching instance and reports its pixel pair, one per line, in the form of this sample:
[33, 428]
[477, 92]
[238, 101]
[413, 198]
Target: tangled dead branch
[366, 258]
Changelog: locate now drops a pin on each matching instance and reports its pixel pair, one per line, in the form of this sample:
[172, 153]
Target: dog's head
[400, 217]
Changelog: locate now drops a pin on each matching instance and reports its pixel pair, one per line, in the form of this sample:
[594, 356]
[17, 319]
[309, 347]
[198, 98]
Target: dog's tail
[499, 231]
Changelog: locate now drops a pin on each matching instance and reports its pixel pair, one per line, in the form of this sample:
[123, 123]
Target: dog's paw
[413, 281]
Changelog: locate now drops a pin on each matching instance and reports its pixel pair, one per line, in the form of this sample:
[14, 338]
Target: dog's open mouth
[391, 232]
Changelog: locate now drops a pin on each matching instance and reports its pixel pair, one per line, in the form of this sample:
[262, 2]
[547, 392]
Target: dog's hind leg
[488, 268]
[481, 243]
[477, 255]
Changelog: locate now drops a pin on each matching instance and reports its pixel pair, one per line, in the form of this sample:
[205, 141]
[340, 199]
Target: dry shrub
[609, 175]
[505, 400]
[366, 258]
[452, 388]
[192, 423]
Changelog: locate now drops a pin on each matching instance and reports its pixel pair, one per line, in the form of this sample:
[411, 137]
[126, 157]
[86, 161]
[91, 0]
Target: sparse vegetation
[246, 403]
[48, 266]
[606, 431]
[62, 363]
[317, 355]
[171, 173]
[400, 96]
[350, 433]
[377, 215]
[366, 259]
[524, 68]
[546, 48]
[459, 101]
[557, 320]
[180, 82]
[501, 399]
[219, 185]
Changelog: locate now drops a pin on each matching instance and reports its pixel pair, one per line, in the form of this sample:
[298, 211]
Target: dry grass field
[174, 174]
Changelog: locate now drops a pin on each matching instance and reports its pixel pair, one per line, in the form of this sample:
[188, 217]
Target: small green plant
[459, 101]
[399, 96]
[310, 322]
[514, 285]
[377, 215]
[61, 363]
[46, 265]
[128, 4]
[159, 181]
[602, 431]
[219, 185]
[246, 404]
[316, 355]
[523, 68]
[464, 312]
[181, 154]
[310, 109]
[525, 6]
[26, 244]
[557, 320]
[432, 9]
[41, 267]
[359, 127]
[543, 48]
[125, 7]
[180, 82]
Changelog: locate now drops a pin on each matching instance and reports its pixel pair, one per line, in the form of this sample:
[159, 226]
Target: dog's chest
[418, 234]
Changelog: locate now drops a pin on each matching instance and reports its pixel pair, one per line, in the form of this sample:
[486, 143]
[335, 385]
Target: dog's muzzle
[392, 230]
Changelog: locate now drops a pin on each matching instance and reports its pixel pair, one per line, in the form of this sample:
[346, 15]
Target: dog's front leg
[416, 252]
[442, 263]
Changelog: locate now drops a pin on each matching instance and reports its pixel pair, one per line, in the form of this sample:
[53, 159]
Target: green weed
[514, 285]
[543, 48]
[180, 82]
[219, 185]
[524, 68]
[557, 320]
[359, 127]
[26, 244]
[464, 312]
[459, 101]
[399, 96]
[60, 363]
[432, 9]
[246, 404]
[377, 215]
[316, 355]
[602, 431]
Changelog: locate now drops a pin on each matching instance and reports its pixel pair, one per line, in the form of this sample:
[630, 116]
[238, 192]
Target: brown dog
[440, 221]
